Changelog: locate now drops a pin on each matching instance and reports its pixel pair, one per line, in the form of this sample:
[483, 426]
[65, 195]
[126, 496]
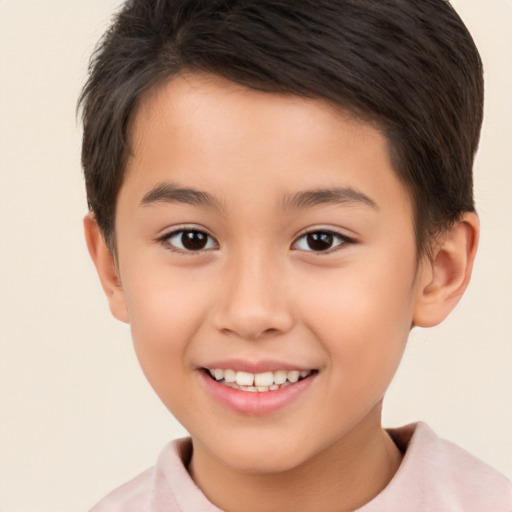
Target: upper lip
[260, 366]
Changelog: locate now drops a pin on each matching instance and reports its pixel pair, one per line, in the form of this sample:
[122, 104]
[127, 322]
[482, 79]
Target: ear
[445, 277]
[106, 267]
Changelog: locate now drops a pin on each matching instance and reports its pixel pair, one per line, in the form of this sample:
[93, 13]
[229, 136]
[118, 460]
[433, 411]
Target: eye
[320, 241]
[189, 240]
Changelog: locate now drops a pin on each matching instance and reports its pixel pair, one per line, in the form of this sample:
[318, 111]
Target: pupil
[320, 241]
[194, 240]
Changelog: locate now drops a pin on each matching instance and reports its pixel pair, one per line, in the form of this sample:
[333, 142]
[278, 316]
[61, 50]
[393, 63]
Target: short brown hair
[409, 66]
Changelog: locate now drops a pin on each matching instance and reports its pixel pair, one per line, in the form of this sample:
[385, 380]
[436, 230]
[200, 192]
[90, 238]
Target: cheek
[164, 314]
[363, 319]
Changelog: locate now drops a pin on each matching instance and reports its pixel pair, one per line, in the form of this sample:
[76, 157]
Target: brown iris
[194, 240]
[320, 240]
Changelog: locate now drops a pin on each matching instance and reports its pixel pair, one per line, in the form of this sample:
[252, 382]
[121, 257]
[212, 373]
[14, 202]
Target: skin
[258, 291]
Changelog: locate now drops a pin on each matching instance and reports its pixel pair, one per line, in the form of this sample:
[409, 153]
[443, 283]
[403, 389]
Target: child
[279, 191]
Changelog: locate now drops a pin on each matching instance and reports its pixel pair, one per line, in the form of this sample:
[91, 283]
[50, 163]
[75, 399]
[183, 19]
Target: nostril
[252, 319]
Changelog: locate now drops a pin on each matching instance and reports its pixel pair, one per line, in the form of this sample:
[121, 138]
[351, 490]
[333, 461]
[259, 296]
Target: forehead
[189, 100]
[202, 130]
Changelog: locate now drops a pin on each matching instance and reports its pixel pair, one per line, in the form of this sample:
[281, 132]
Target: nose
[254, 302]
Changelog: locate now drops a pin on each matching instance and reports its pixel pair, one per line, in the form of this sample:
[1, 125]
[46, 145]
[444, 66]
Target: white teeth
[293, 376]
[264, 379]
[229, 375]
[262, 382]
[280, 376]
[244, 378]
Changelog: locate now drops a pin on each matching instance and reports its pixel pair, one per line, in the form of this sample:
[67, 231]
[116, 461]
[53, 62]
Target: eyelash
[334, 236]
[166, 240]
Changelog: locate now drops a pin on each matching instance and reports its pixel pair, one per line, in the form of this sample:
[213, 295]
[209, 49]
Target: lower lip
[256, 403]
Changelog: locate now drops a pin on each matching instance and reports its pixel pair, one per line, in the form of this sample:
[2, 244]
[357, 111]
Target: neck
[341, 478]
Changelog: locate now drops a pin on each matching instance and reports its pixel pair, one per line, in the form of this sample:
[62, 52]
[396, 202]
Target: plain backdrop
[77, 417]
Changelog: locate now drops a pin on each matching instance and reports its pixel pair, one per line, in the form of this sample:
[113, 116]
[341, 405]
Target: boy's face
[260, 232]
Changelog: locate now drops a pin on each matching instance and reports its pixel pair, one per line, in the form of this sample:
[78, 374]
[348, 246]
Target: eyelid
[164, 238]
[346, 240]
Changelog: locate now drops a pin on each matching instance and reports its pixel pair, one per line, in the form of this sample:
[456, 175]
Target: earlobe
[444, 278]
[106, 267]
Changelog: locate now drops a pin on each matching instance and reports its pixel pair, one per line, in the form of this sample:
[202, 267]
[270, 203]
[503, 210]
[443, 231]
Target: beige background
[77, 417]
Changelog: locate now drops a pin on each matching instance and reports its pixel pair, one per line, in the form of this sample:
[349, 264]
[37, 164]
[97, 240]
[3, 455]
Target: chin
[249, 456]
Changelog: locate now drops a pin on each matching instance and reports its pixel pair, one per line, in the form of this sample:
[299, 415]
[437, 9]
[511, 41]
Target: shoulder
[147, 491]
[133, 496]
[436, 474]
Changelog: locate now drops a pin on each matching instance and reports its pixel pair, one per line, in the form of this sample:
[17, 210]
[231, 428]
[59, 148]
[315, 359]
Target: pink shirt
[435, 476]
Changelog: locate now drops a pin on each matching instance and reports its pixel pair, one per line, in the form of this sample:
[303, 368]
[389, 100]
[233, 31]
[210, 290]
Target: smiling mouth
[257, 382]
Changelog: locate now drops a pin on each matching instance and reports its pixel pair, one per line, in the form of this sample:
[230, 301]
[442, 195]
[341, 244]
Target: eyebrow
[326, 196]
[172, 193]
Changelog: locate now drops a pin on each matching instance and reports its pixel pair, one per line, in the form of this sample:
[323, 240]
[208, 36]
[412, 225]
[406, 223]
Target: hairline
[424, 239]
